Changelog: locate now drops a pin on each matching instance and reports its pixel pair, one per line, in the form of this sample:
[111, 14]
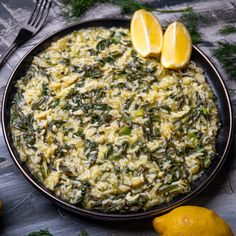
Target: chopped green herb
[204, 111]
[39, 104]
[80, 131]
[43, 171]
[192, 135]
[65, 61]
[168, 188]
[92, 71]
[101, 45]
[125, 130]
[139, 113]
[115, 39]
[109, 149]
[55, 123]
[45, 89]
[54, 103]
[29, 138]
[22, 122]
[207, 162]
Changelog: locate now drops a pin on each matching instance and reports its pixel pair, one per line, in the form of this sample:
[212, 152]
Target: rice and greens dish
[106, 129]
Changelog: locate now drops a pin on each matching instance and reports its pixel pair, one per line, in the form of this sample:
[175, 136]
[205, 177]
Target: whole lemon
[191, 221]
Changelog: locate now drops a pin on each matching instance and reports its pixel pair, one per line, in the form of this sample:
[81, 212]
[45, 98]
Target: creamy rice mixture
[104, 128]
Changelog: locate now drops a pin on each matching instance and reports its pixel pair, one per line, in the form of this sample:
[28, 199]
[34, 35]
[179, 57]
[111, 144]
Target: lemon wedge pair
[148, 40]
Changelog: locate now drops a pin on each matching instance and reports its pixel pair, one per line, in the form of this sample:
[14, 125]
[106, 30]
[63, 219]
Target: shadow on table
[118, 228]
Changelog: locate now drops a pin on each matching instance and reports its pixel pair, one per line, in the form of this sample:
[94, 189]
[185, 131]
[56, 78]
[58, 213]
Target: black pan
[224, 137]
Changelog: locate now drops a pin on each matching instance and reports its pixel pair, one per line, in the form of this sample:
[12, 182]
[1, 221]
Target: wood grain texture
[26, 209]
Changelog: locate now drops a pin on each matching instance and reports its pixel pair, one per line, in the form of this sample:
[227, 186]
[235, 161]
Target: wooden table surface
[25, 208]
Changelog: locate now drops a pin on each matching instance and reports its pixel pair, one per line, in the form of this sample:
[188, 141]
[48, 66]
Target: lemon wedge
[146, 33]
[177, 46]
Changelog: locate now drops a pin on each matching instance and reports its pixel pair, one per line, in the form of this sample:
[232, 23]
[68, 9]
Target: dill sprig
[130, 6]
[41, 232]
[76, 8]
[228, 29]
[225, 52]
[83, 232]
[190, 19]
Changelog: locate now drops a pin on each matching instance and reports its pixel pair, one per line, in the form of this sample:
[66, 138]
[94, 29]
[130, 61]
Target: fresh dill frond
[130, 6]
[41, 232]
[190, 19]
[228, 29]
[83, 232]
[225, 52]
[76, 8]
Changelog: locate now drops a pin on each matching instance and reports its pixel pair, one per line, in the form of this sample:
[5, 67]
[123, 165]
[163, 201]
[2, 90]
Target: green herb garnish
[76, 8]
[190, 19]
[139, 112]
[225, 52]
[169, 188]
[125, 130]
[43, 171]
[192, 135]
[204, 111]
[41, 232]
[83, 232]
[228, 29]
[130, 6]
[207, 162]
[80, 131]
